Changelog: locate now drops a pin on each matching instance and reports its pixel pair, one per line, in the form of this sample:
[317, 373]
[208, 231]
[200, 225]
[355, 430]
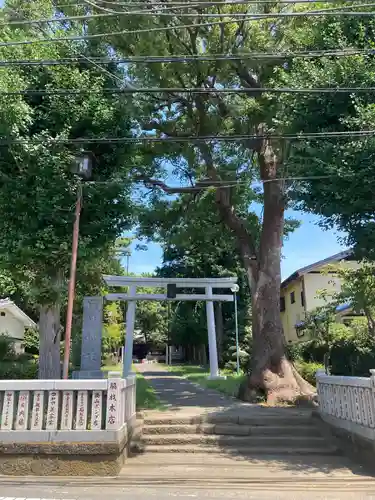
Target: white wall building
[13, 322]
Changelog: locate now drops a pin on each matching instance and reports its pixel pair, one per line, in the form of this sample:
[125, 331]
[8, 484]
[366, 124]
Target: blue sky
[306, 245]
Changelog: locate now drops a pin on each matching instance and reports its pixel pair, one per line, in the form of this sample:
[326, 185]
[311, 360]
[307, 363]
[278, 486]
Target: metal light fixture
[83, 165]
[82, 168]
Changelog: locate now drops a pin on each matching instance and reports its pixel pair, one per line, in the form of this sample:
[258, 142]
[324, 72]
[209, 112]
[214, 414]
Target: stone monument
[91, 351]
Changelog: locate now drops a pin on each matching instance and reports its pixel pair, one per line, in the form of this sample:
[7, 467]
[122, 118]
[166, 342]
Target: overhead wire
[240, 15]
[203, 3]
[352, 134]
[180, 90]
[185, 58]
[180, 26]
[83, 56]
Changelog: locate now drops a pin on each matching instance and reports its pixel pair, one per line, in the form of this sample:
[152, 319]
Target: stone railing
[66, 410]
[348, 403]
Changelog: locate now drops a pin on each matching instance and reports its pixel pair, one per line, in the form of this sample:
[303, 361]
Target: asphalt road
[14, 490]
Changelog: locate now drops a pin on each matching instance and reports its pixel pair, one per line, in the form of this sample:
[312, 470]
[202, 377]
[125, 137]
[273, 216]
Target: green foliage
[7, 351]
[344, 194]
[308, 370]
[146, 397]
[152, 319]
[113, 333]
[244, 359]
[358, 289]
[31, 341]
[15, 366]
[16, 370]
[38, 187]
[350, 350]
[353, 354]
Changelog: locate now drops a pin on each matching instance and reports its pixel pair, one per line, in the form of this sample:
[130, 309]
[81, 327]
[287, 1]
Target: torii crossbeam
[207, 284]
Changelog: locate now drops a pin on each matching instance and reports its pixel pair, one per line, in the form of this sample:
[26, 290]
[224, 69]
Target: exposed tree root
[278, 386]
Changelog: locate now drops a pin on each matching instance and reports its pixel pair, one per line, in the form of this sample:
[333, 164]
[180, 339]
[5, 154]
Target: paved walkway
[179, 393]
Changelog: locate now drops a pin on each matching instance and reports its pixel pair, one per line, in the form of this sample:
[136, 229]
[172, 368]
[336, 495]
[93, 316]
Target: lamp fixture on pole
[82, 169]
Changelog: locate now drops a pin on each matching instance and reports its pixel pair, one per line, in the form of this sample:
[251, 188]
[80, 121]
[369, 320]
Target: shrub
[244, 358]
[353, 356]
[18, 370]
[308, 370]
[7, 351]
[31, 341]
[15, 366]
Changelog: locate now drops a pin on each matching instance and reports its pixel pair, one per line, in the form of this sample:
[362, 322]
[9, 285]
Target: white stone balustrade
[66, 410]
[348, 402]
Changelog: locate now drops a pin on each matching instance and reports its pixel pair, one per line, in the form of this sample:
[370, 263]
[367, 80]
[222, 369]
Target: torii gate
[208, 284]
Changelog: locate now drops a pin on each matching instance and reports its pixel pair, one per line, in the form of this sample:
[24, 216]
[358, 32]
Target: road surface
[64, 489]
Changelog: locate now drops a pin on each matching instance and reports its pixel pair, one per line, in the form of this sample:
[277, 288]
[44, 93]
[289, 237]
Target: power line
[188, 57]
[179, 90]
[224, 3]
[236, 15]
[352, 134]
[241, 15]
[175, 27]
[83, 56]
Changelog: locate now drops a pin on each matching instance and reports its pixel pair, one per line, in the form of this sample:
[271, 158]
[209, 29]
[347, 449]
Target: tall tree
[38, 189]
[230, 168]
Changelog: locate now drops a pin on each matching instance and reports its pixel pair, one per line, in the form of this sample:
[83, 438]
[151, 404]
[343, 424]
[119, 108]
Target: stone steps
[234, 441]
[251, 420]
[243, 433]
[230, 429]
[275, 463]
[241, 452]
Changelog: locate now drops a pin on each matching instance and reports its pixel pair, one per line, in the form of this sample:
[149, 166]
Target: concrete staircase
[245, 433]
[257, 450]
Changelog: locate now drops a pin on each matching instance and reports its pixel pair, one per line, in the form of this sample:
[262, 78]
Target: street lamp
[235, 288]
[82, 168]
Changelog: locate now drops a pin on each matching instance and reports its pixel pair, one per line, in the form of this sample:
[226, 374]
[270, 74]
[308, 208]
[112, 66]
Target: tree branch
[149, 182]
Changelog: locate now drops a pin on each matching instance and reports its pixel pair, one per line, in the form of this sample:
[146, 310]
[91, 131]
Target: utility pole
[72, 283]
[83, 170]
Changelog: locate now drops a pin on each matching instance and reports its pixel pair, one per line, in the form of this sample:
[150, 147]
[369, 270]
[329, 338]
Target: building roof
[17, 312]
[304, 270]
[339, 309]
[343, 307]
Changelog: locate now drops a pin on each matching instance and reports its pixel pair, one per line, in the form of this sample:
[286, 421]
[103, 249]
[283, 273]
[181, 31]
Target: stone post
[129, 333]
[91, 352]
[212, 345]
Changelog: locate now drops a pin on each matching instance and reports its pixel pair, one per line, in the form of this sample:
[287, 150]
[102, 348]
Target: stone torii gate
[93, 315]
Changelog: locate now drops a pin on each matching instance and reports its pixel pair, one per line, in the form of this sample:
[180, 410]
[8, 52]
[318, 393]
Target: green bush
[15, 366]
[31, 341]
[244, 358]
[7, 351]
[18, 370]
[308, 370]
[353, 356]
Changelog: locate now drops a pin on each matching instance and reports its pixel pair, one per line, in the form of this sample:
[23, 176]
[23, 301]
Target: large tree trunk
[49, 344]
[272, 374]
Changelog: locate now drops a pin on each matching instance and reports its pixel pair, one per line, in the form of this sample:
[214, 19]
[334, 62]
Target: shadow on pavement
[181, 395]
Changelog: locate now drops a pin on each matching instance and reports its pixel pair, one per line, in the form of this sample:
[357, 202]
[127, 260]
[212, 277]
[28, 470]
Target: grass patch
[112, 368]
[146, 397]
[198, 374]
